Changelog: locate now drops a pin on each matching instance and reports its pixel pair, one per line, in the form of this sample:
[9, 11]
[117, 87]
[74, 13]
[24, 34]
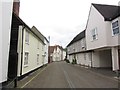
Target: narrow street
[63, 75]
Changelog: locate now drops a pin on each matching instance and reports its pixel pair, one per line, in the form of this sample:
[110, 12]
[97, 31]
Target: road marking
[71, 85]
[33, 77]
[68, 80]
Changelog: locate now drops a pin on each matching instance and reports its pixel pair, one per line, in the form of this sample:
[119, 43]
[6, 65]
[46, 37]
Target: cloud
[62, 20]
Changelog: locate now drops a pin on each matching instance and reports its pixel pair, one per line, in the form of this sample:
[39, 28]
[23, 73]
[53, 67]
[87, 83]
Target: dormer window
[115, 28]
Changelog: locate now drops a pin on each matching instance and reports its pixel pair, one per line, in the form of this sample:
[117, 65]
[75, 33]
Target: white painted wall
[102, 58]
[54, 55]
[80, 59]
[88, 61]
[112, 40]
[71, 58]
[46, 51]
[32, 49]
[57, 54]
[77, 46]
[105, 38]
[84, 58]
[96, 20]
[105, 58]
[115, 61]
[64, 55]
[5, 29]
[95, 59]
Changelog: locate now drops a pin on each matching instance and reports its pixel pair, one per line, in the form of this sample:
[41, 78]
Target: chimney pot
[16, 6]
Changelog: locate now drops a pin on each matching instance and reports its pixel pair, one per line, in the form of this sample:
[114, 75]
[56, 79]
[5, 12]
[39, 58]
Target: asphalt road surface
[64, 75]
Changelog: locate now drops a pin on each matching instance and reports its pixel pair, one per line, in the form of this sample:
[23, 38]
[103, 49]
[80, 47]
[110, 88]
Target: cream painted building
[45, 47]
[33, 50]
[28, 46]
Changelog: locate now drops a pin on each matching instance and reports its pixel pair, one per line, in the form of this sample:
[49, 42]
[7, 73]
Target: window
[26, 58]
[37, 59]
[27, 37]
[115, 28]
[94, 34]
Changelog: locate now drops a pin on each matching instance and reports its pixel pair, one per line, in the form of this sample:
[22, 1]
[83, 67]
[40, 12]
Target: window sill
[94, 40]
[25, 66]
[26, 43]
[115, 35]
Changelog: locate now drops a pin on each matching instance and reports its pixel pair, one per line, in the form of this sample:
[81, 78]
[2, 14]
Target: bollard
[15, 82]
[117, 72]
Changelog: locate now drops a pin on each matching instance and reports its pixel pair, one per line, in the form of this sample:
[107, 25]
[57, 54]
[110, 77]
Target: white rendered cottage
[103, 35]
[76, 49]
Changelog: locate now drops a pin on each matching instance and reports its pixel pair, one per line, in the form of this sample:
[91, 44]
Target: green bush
[74, 61]
[67, 60]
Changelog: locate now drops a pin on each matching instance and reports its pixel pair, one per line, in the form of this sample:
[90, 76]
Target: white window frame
[26, 58]
[94, 34]
[115, 27]
[27, 37]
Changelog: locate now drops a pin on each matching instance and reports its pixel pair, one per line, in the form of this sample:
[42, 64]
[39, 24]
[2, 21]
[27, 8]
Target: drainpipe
[22, 50]
[91, 59]
[16, 79]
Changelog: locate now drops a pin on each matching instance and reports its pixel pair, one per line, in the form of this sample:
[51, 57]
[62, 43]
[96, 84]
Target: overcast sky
[62, 20]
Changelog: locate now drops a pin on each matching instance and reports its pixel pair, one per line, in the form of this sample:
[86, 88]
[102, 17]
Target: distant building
[76, 49]
[56, 53]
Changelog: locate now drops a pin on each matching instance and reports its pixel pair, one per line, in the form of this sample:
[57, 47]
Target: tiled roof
[109, 12]
[77, 38]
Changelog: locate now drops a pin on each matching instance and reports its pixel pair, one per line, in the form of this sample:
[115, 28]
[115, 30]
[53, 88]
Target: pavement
[64, 75]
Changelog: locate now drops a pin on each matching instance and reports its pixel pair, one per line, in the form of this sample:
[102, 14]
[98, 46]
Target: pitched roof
[52, 48]
[77, 38]
[19, 21]
[39, 33]
[35, 30]
[109, 12]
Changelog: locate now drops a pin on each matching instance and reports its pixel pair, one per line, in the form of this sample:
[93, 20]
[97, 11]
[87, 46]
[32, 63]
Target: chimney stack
[16, 6]
[119, 3]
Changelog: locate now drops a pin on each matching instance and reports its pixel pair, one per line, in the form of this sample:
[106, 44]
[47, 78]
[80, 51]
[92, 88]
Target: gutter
[22, 50]
[85, 51]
